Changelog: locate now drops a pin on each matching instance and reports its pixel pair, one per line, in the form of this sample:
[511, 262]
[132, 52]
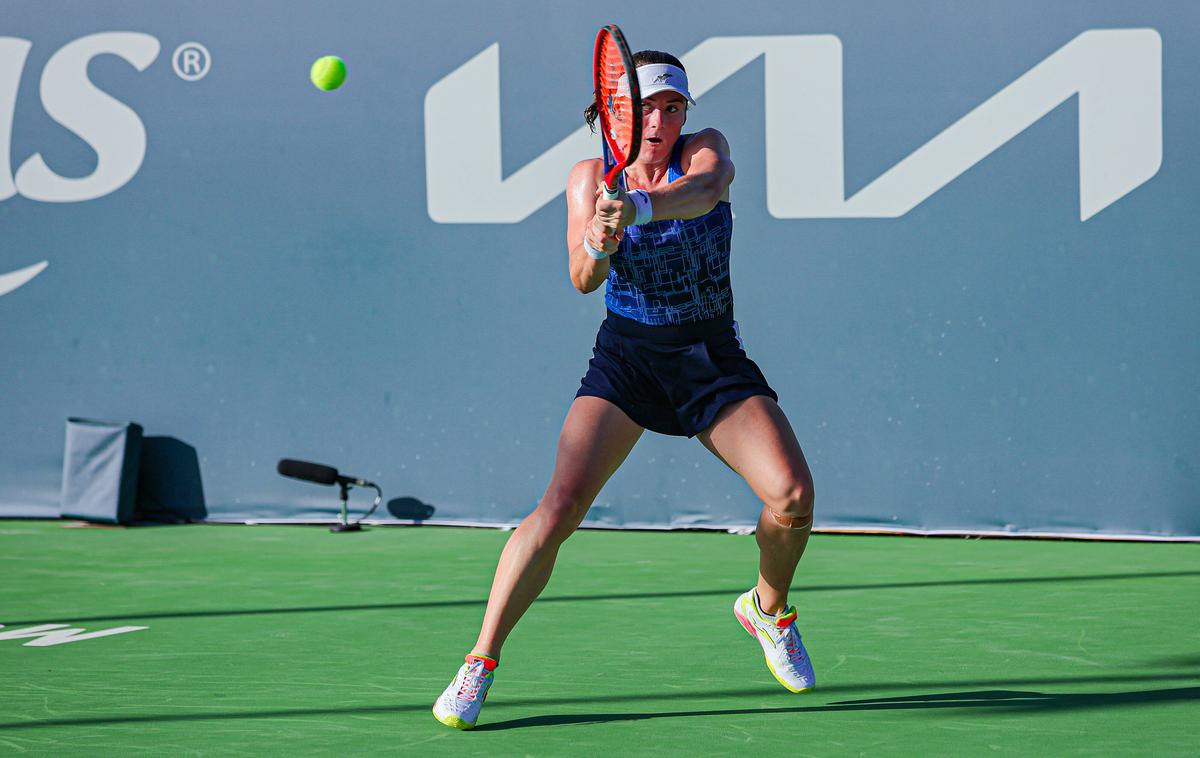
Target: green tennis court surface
[284, 640]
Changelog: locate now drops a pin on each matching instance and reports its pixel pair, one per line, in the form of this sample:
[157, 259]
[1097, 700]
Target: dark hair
[640, 58]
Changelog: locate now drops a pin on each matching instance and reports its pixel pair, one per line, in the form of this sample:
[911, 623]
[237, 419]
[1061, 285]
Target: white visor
[660, 77]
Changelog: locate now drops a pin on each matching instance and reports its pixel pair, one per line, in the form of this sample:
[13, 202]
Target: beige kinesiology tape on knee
[790, 522]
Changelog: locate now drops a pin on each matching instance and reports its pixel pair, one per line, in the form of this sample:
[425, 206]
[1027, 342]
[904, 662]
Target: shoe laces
[472, 681]
[788, 634]
[791, 642]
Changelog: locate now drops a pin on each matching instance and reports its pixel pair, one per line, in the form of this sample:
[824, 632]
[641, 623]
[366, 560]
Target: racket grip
[611, 194]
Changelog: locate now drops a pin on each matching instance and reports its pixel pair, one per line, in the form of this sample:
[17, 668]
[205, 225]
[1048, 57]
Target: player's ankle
[489, 662]
[758, 603]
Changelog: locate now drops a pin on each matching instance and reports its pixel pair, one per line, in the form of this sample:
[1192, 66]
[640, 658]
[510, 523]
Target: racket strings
[614, 100]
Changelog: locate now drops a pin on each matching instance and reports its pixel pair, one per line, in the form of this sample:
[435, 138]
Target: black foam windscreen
[309, 472]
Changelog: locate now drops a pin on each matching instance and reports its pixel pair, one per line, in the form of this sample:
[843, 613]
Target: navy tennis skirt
[672, 379]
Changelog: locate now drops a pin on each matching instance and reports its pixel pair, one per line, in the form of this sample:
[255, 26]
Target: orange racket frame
[620, 109]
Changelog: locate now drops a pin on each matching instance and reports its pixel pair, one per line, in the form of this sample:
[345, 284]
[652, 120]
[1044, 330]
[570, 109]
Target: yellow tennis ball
[328, 72]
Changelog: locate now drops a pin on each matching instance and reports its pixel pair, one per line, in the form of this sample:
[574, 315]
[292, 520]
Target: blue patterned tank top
[674, 271]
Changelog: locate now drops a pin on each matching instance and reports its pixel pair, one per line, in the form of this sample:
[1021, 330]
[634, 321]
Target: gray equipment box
[100, 470]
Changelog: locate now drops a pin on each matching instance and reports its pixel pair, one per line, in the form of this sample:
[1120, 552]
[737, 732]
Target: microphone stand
[345, 525]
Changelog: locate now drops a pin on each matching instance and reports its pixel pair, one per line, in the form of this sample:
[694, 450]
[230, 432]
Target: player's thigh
[755, 439]
[595, 440]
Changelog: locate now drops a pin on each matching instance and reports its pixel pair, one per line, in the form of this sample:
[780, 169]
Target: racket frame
[614, 161]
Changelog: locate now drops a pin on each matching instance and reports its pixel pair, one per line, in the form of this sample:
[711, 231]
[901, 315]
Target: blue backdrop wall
[965, 252]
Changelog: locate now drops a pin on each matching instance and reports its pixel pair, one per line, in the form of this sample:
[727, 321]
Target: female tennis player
[667, 358]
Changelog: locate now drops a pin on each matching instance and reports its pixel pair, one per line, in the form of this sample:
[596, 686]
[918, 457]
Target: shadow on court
[729, 591]
[984, 700]
[1175, 662]
[1009, 699]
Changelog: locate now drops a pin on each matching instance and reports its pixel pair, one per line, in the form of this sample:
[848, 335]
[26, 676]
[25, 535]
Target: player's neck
[647, 175]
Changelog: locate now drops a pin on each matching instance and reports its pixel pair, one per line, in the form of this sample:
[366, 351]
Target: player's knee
[793, 499]
[562, 511]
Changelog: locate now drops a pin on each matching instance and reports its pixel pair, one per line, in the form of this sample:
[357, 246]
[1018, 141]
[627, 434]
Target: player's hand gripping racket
[619, 102]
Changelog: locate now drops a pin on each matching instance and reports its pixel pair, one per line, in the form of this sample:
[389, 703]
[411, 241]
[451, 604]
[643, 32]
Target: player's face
[663, 116]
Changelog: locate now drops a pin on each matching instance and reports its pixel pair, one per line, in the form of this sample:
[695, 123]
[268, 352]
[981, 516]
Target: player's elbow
[715, 184]
[582, 284]
[710, 193]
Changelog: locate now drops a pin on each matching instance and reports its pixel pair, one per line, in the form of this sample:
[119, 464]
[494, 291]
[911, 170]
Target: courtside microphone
[318, 473]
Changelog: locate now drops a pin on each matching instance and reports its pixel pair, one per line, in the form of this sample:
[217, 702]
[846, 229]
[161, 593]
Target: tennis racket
[619, 103]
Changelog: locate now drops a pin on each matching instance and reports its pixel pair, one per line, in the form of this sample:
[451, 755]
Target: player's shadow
[592, 597]
[1175, 661]
[1007, 701]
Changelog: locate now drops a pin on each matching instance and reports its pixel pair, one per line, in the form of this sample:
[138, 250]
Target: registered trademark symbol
[191, 61]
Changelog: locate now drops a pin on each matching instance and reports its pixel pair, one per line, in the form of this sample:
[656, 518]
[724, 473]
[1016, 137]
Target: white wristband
[641, 201]
[597, 254]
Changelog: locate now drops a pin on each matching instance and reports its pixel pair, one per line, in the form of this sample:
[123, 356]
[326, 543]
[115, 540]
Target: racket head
[618, 102]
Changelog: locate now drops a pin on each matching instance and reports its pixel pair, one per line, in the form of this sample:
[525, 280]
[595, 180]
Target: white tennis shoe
[460, 703]
[786, 657]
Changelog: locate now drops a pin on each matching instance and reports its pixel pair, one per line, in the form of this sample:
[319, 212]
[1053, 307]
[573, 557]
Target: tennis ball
[328, 72]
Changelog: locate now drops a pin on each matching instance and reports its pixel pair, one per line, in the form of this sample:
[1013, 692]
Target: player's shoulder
[707, 139]
[586, 171]
[585, 176]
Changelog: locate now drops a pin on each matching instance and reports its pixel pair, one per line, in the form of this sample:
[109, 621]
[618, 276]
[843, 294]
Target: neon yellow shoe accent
[781, 680]
[454, 721]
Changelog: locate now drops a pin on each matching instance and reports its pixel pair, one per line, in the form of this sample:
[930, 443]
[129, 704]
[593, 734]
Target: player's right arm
[587, 273]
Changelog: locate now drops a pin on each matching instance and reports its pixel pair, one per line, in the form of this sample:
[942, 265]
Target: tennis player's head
[665, 99]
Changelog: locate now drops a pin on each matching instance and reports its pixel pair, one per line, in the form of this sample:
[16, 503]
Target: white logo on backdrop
[1117, 74]
[109, 126]
[14, 279]
[191, 61]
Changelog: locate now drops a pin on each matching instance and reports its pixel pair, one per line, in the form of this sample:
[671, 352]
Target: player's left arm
[708, 172]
